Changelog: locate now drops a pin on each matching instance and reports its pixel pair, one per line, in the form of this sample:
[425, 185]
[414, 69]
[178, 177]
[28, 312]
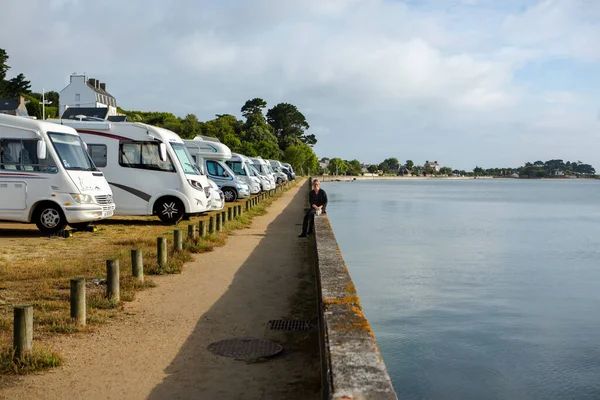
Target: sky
[490, 83]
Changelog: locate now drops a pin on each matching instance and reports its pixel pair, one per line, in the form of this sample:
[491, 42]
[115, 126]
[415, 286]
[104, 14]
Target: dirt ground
[156, 349]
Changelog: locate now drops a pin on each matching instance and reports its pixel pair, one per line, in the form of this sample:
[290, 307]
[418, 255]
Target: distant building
[82, 92]
[434, 165]
[559, 172]
[515, 175]
[14, 107]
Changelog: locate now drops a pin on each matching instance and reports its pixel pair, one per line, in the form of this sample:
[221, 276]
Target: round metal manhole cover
[244, 348]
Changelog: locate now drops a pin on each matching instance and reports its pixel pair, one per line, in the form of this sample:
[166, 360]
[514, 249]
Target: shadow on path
[274, 282]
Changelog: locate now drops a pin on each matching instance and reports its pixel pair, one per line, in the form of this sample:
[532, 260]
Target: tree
[390, 165]
[3, 66]
[289, 125]
[372, 169]
[409, 164]
[17, 86]
[337, 166]
[478, 171]
[354, 168]
[302, 158]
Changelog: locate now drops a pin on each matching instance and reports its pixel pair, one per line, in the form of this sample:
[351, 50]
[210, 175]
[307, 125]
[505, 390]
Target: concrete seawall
[352, 366]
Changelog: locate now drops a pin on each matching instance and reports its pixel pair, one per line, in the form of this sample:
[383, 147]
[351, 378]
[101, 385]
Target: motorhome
[240, 165]
[289, 168]
[276, 166]
[265, 182]
[209, 154]
[149, 168]
[264, 168]
[217, 199]
[47, 177]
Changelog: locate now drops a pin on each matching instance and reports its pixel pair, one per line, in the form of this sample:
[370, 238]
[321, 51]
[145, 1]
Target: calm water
[478, 289]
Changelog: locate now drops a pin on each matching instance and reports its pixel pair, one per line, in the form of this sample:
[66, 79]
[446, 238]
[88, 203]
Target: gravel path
[156, 349]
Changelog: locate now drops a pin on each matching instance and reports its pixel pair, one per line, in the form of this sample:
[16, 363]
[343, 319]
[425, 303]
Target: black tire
[279, 180]
[49, 218]
[170, 210]
[80, 226]
[230, 194]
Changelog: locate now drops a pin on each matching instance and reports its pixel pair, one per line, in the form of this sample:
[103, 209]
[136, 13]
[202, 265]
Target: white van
[240, 165]
[149, 168]
[276, 166]
[216, 197]
[47, 177]
[264, 168]
[210, 155]
[265, 182]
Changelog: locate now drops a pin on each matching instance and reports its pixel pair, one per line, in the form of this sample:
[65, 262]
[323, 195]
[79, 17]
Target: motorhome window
[237, 167]
[216, 169]
[98, 154]
[185, 158]
[71, 152]
[21, 155]
[249, 168]
[143, 155]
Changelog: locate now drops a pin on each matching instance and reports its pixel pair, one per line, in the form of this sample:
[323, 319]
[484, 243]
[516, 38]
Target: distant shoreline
[328, 178]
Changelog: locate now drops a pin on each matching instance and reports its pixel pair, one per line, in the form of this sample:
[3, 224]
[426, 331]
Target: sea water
[477, 289]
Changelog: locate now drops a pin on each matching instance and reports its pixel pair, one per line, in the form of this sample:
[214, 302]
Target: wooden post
[137, 265]
[23, 330]
[218, 222]
[223, 217]
[161, 250]
[112, 280]
[178, 240]
[192, 231]
[230, 213]
[239, 210]
[78, 300]
[211, 224]
[202, 228]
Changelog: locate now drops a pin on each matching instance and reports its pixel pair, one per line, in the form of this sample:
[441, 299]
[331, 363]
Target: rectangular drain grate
[290, 325]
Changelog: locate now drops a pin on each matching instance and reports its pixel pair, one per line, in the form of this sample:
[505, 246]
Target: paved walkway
[157, 348]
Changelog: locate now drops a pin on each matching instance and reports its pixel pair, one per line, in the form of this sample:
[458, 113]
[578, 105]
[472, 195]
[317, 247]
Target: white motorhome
[47, 177]
[265, 182]
[217, 198]
[264, 168]
[240, 165]
[210, 155]
[276, 166]
[149, 168]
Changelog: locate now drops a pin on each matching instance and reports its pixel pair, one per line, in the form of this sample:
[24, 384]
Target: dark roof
[9, 104]
[99, 90]
[96, 112]
[117, 118]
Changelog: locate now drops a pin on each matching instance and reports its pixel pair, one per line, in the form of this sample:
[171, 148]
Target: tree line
[278, 134]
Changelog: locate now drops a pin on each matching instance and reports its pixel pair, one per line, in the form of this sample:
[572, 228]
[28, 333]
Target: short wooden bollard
[239, 210]
[161, 251]
[23, 330]
[192, 231]
[178, 240]
[218, 222]
[202, 228]
[223, 217]
[78, 300]
[112, 280]
[211, 224]
[137, 265]
[230, 215]
[247, 206]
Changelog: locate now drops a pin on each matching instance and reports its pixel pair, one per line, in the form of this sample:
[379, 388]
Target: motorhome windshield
[71, 152]
[249, 169]
[237, 167]
[185, 159]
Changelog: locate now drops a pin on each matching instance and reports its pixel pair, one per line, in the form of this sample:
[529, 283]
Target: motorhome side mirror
[41, 150]
[85, 146]
[163, 152]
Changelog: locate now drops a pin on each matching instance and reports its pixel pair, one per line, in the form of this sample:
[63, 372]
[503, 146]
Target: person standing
[318, 205]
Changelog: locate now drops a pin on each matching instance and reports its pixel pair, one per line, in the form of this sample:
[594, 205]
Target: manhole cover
[293, 325]
[245, 349]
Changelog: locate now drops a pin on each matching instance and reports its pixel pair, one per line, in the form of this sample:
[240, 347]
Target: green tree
[254, 107]
[17, 86]
[337, 166]
[190, 127]
[354, 168]
[372, 169]
[3, 65]
[302, 158]
[409, 164]
[390, 165]
[478, 171]
[289, 125]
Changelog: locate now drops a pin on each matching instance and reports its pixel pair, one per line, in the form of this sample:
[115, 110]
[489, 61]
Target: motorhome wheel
[279, 180]
[170, 210]
[50, 218]
[230, 194]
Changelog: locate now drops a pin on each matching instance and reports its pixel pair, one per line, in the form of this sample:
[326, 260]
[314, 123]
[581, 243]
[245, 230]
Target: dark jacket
[319, 199]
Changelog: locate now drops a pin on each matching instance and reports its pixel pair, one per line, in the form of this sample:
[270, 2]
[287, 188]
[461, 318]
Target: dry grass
[37, 271]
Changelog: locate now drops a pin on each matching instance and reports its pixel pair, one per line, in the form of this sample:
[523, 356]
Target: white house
[86, 93]
[434, 165]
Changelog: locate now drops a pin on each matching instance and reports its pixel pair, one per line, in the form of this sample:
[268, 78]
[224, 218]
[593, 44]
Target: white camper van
[149, 168]
[265, 182]
[240, 165]
[280, 176]
[210, 155]
[264, 168]
[47, 177]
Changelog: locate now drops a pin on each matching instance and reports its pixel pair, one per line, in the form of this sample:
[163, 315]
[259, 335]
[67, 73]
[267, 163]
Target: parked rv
[149, 168]
[264, 168]
[290, 169]
[47, 177]
[280, 176]
[265, 182]
[240, 165]
[209, 154]
[216, 198]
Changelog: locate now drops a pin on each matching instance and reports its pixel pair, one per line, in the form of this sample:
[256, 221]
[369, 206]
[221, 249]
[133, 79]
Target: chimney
[103, 86]
[92, 82]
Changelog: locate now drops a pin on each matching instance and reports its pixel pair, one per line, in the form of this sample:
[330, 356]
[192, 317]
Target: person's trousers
[309, 221]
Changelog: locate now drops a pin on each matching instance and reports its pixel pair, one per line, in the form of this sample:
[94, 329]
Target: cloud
[458, 81]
